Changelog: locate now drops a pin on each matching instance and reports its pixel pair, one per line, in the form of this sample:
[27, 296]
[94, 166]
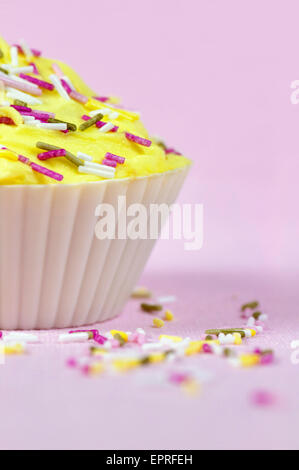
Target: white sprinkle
[16, 336]
[21, 80]
[251, 321]
[28, 118]
[98, 166]
[84, 156]
[260, 329]
[93, 171]
[248, 333]
[221, 338]
[20, 95]
[99, 111]
[73, 337]
[140, 330]
[58, 86]
[15, 70]
[166, 299]
[263, 317]
[56, 126]
[5, 103]
[234, 361]
[14, 56]
[229, 339]
[34, 123]
[113, 115]
[26, 49]
[107, 127]
[152, 347]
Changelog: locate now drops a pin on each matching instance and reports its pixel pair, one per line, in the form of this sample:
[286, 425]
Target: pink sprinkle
[44, 171]
[85, 369]
[138, 140]
[207, 348]
[85, 117]
[37, 114]
[66, 86]
[51, 154]
[1, 334]
[71, 362]
[170, 150]
[34, 68]
[57, 70]
[78, 97]
[100, 339]
[27, 88]
[263, 398]
[109, 163]
[115, 158]
[178, 378]
[103, 99]
[36, 81]
[267, 359]
[6, 120]
[21, 109]
[24, 159]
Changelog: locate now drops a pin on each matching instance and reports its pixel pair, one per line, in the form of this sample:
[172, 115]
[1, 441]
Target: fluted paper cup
[54, 271]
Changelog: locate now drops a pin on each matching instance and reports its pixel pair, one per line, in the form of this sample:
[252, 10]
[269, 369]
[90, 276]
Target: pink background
[213, 78]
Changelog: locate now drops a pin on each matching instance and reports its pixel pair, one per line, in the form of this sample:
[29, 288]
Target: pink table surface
[45, 405]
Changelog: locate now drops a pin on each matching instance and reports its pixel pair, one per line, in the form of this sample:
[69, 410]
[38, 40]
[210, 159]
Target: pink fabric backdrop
[213, 78]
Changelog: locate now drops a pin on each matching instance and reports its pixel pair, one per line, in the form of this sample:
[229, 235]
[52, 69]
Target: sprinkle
[97, 111]
[21, 108]
[6, 120]
[46, 172]
[51, 154]
[16, 70]
[98, 166]
[140, 292]
[151, 307]
[19, 336]
[16, 348]
[263, 398]
[68, 155]
[85, 125]
[226, 331]
[249, 360]
[207, 348]
[1, 54]
[53, 127]
[22, 103]
[138, 140]
[34, 52]
[73, 338]
[103, 99]
[252, 305]
[66, 86]
[14, 56]
[78, 97]
[167, 299]
[92, 171]
[173, 339]
[57, 70]
[123, 334]
[26, 50]
[3, 70]
[36, 81]
[35, 70]
[107, 127]
[9, 82]
[71, 362]
[168, 315]
[70, 126]
[158, 323]
[59, 88]
[18, 95]
[109, 163]
[84, 156]
[115, 158]
[101, 124]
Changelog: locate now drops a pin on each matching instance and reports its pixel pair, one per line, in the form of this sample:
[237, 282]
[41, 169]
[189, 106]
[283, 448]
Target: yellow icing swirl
[22, 139]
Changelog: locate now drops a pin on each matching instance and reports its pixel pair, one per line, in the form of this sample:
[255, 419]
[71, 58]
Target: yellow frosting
[140, 160]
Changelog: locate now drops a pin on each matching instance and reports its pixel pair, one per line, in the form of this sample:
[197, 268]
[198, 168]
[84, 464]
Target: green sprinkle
[145, 361]
[227, 352]
[1, 54]
[267, 351]
[149, 308]
[90, 122]
[70, 126]
[256, 315]
[3, 70]
[72, 158]
[119, 338]
[209, 338]
[251, 305]
[20, 103]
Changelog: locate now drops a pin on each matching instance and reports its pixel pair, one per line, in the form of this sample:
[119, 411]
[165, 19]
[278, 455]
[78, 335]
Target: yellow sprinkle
[4, 153]
[195, 347]
[97, 368]
[98, 351]
[122, 365]
[238, 338]
[156, 357]
[191, 387]
[249, 360]
[141, 293]
[175, 339]
[253, 332]
[14, 349]
[158, 323]
[168, 315]
[123, 334]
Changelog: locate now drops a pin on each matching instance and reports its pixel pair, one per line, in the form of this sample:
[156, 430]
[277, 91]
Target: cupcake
[64, 153]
